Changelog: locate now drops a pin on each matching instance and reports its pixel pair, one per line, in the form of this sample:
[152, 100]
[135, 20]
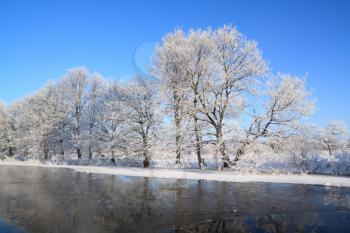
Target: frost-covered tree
[192, 65]
[74, 86]
[95, 108]
[217, 67]
[47, 117]
[140, 109]
[3, 129]
[111, 123]
[7, 146]
[236, 61]
[334, 136]
[302, 144]
[37, 120]
[287, 100]
[168, 67]
[25, 125]
[199, 56]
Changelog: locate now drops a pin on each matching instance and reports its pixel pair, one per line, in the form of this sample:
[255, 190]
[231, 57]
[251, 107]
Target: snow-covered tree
[74, 86]
[168, 67]
[111, 123]
[236, 61]
[193, 61]
[140, 108]
[3, 129]
[47, 118]
[7, 146]
[287, 101]
[199, 49]
[24, 131]
[334, 136]
[95, 108]
[37, 120]
[217, 67]
[302, 144]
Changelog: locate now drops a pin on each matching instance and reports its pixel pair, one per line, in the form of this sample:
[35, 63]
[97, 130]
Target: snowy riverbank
[213, 175]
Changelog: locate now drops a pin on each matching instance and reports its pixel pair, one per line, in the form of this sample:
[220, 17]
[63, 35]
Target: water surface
[42, 200]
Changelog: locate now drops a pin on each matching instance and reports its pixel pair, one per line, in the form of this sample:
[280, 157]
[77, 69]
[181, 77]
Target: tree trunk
[197, 130]
[145, 163]
[62, 147]
[77, 113]
[221, 149]
[178, 140]
[239, 153]
[90, 152]
[10, 149]
[329, 149]
[46, 153]
[79, 153]
[113, 155]
[11, 153]
[90, 142]
[145, 151]
[198, 142]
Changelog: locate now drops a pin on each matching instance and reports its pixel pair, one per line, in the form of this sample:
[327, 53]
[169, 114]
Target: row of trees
[209, 88]
[81, 112]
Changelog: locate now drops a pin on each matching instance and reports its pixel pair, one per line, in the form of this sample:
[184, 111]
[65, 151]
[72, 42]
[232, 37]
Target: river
[50, 200]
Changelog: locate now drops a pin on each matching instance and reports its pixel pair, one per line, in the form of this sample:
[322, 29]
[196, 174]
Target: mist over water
[61, 200]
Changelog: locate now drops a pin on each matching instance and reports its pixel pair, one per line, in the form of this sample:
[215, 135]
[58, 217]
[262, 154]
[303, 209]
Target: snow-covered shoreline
[212, 175]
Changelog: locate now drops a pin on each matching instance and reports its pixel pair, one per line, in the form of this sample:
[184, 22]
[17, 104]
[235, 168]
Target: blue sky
[40, 40]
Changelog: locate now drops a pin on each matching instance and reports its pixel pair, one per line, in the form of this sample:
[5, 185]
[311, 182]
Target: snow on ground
[213, 175]
[320, 163]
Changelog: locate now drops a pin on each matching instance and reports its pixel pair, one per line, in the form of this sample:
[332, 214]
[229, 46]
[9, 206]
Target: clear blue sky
[40, 40]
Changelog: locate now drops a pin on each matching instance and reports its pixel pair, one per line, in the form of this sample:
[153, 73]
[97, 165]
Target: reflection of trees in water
[338, 197]
[58, 200]
[266, 223]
